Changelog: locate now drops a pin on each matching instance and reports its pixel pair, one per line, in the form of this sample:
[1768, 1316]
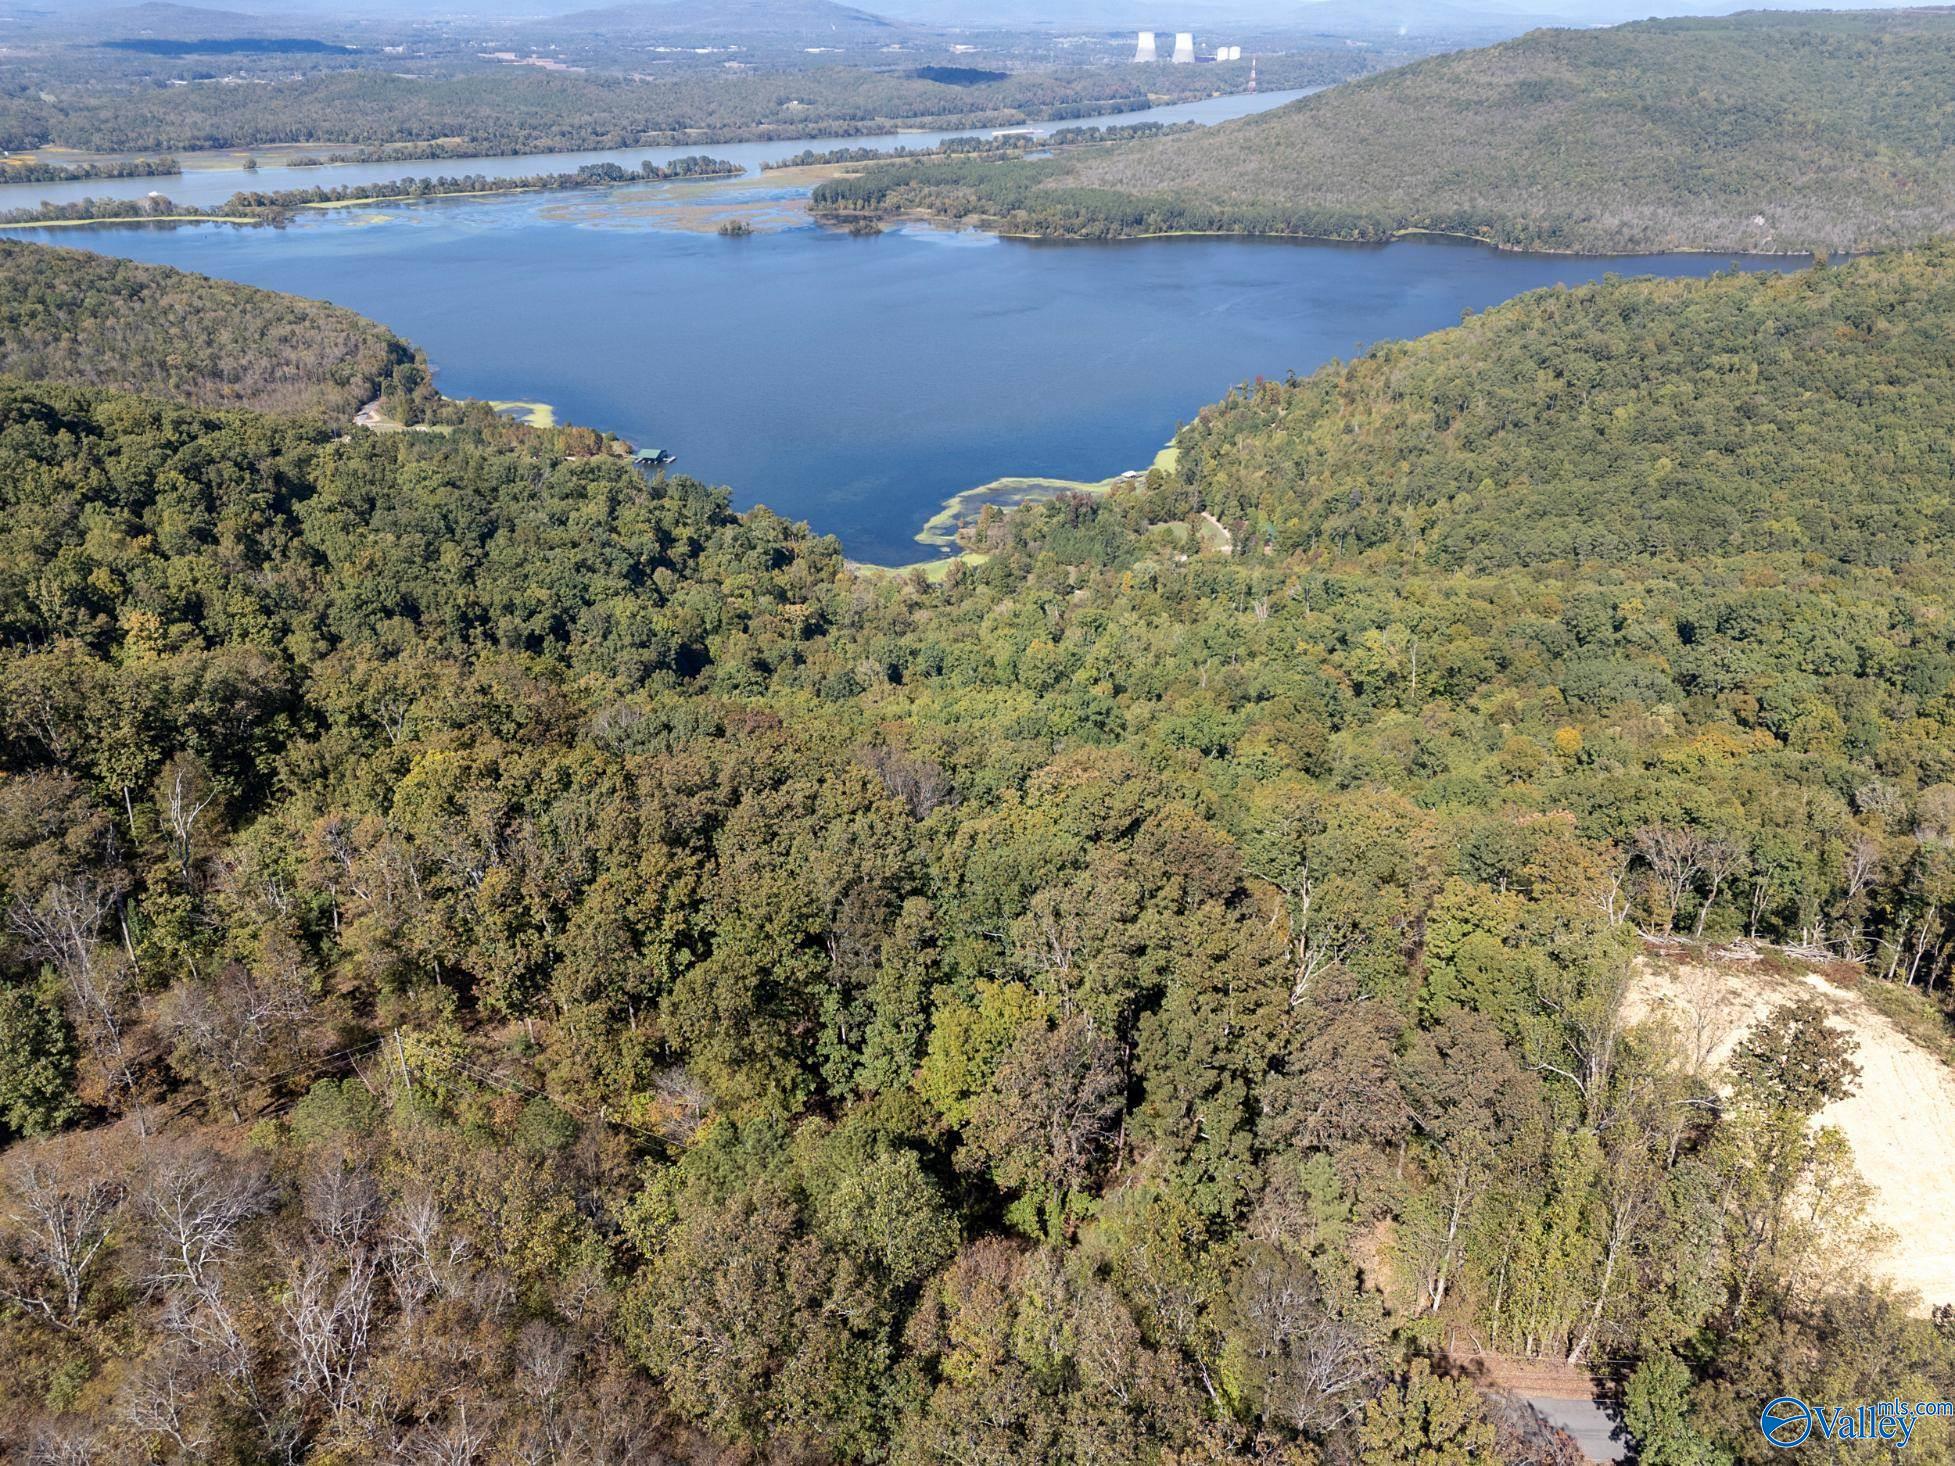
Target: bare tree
[1313, 1369]
[326, 1321]
[1722, 859]
[52, 1235]
[1056, 1102]
[225, 1028]
[1631, 1177]
[1674, 854]
[546, 1361]
[60, 1445]
[194, 1208]
[1882, 800]
[1605, 893]
[921, 784]
[184, 794]
[342, 1202]
[192, 1205]
[1859, 865]
[161, 1400]
[1859, 868]
[425, 1257]
[458, 1441]
[1317, 945]
[63, 929]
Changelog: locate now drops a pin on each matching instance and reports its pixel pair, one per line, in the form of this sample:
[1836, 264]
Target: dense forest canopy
[505, 959]
[94, 321]
[1766, 131]
[1804, 412]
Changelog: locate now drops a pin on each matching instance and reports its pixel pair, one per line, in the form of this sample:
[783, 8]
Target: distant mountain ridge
[709, 18]
[163, 10]
[162, 21]
[1337, 17]
[160, 15]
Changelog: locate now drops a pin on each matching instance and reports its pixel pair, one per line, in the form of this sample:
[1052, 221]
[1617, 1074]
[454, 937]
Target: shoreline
[132, 219]
[977, 225]
[1010, 492]
[276, 215]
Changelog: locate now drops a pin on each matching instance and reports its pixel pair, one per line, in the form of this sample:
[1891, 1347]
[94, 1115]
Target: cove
[857, 383]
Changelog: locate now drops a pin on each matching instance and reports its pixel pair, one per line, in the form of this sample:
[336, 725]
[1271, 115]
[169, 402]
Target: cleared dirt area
[1561, 1397]
[1900, 1120]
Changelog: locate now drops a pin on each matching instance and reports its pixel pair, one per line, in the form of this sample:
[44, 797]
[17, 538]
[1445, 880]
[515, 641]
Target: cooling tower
[1184, 48]
[1146, 50]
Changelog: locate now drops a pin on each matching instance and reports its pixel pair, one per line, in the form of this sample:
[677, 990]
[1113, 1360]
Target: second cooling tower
[1184, 48]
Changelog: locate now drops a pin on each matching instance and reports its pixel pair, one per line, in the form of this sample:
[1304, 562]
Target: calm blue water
[855, 383]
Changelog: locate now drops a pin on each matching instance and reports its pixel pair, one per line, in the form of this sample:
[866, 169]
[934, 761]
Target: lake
[857, 383]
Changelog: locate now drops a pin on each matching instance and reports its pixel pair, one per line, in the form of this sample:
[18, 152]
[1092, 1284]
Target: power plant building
[1148, 50]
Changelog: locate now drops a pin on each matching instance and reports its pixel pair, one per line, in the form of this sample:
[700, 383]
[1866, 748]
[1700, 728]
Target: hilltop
[1644, 419]
[1760, 132]
[93, 321]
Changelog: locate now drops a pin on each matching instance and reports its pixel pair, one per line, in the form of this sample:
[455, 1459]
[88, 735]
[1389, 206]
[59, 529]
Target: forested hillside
[508, 960]
[1805, 412]
[94, 321]
[1765, 131]
[517, 111]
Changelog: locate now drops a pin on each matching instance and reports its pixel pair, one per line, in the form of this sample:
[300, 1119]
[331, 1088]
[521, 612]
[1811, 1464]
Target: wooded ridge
[1768, 131]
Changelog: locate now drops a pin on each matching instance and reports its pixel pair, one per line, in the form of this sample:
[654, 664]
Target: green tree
[1656, 1410]
[1426, 1420]
[37, 1061]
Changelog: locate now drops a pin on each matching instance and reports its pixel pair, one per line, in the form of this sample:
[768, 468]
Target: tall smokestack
[1146, 51]
[1184, 48]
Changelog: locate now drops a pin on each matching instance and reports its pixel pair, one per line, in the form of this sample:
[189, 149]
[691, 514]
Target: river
[857, 383]
[211, 178]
